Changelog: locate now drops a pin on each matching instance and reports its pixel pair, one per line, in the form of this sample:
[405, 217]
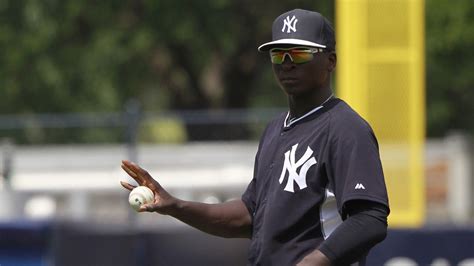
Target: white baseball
[139, 196]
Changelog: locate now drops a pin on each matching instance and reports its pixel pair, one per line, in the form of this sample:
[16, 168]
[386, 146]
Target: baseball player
[318, 194]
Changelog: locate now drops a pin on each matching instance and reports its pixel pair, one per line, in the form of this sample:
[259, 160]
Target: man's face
[297, 78]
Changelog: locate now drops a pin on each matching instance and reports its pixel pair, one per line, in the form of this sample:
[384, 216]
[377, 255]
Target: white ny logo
[291, 166]
[287, 23]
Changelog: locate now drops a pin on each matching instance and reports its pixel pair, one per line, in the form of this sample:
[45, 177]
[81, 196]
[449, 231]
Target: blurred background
[179, 87]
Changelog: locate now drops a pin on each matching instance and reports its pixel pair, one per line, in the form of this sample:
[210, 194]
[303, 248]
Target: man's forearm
[229, 219]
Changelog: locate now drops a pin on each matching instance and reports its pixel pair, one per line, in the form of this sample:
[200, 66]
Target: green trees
[67, 56]
[86, 56]
[450, 66]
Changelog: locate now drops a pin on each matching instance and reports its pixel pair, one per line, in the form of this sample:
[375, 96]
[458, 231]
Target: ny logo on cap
[289, 24]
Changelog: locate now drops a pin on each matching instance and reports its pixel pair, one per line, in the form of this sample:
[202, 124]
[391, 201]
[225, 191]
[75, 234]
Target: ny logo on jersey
[289, 24]
[291, 165]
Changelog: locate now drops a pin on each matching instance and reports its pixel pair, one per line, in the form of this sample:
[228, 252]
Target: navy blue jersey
[305, 170]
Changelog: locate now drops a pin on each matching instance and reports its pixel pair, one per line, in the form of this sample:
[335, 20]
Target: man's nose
[287, 58]
[287, 61]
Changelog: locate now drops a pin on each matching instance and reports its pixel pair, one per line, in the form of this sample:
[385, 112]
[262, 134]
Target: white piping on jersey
[329, 216]
[292, 121]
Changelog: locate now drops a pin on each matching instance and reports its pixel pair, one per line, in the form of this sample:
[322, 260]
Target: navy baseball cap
[300, 27]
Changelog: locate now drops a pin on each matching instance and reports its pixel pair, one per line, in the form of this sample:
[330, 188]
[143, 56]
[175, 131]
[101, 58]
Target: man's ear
[332, 58]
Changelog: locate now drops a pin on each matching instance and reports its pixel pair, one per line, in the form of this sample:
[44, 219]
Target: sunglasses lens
[301, 56]
[277, 57]
[298, 56]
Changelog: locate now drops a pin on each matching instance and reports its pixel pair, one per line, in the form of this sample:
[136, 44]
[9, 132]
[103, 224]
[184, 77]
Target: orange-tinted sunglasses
[298, 55]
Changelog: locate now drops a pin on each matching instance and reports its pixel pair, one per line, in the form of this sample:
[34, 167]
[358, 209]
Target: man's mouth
[288, 80]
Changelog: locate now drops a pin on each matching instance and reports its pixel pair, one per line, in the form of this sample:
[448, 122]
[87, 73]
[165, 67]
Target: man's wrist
[173, 207]
[316, 258]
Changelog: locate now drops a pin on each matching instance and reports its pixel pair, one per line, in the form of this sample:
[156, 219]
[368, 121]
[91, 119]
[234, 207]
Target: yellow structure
[380, 72]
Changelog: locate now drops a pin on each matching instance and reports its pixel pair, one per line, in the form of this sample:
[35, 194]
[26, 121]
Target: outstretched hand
[163, 201]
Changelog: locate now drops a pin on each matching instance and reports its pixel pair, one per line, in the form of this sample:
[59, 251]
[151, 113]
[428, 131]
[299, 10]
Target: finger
[148, 207]
[138, 170]
[127, 185]
[129, 171]
[132, 173]
[142, 176]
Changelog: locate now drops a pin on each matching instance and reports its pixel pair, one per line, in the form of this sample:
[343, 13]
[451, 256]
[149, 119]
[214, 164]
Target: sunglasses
[298, 55]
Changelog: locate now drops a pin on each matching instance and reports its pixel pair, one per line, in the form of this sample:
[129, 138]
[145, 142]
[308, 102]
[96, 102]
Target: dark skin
[307, 86]
[229, 219]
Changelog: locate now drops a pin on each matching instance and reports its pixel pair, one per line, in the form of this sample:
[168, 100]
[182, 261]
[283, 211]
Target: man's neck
[301, 104]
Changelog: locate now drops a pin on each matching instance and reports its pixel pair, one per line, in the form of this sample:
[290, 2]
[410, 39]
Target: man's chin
[290, 90]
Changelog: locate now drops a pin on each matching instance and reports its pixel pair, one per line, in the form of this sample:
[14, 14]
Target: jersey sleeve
[249, 197]
[355, 166]
[250, 194]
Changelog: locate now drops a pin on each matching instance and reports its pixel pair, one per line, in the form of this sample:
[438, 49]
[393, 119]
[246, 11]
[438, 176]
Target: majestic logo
[289, 24]
[292, 166]
[359, 186]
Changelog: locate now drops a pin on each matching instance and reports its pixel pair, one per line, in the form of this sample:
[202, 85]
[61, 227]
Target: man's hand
[228, 219]
[163, 202]
[315, 258]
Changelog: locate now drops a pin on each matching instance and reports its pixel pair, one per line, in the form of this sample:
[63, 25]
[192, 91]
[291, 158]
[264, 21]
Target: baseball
[139, 196]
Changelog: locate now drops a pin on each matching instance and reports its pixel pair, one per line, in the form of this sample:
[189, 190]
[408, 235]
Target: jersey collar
[288, 122]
